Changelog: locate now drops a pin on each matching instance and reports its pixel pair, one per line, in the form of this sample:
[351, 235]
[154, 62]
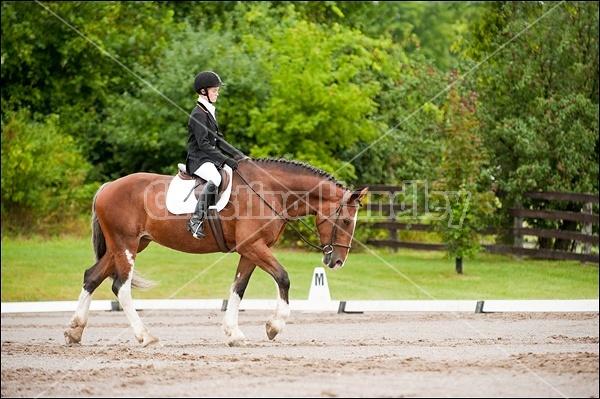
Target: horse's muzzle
[331, 262]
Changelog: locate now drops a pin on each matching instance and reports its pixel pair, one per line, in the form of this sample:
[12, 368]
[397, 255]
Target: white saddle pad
[179, 189]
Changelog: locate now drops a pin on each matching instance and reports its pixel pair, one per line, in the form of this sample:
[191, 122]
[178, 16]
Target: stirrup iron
[198, 231]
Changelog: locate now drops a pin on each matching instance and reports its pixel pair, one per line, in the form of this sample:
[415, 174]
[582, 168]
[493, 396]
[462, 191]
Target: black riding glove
[231, 163]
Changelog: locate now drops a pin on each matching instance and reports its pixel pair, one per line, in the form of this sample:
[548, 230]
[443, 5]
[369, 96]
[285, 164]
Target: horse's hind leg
[121, 287]
[92, 278]
[235, 337]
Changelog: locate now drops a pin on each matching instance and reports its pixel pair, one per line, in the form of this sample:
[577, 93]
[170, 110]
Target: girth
[214, 221]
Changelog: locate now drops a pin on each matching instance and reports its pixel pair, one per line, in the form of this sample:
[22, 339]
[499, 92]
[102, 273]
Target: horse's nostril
[336, 265]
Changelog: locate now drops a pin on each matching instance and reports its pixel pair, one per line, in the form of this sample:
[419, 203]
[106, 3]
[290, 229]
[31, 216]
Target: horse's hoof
[71, 340]
[149, 340]
[273, 328]
[74, 331]
[271, 334]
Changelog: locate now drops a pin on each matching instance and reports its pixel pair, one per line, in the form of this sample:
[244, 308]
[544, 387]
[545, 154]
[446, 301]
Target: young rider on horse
[203, 158]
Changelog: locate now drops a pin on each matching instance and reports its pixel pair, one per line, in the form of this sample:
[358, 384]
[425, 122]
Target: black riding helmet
[207, 79]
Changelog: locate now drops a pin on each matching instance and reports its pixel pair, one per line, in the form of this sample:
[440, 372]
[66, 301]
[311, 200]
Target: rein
[327, 248]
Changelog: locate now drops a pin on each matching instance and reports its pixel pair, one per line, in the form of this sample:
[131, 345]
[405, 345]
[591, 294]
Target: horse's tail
[98, 240]
[141, 283]
[99, 243]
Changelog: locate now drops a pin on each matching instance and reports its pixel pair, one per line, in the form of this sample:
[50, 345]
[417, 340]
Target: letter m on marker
[319, 279]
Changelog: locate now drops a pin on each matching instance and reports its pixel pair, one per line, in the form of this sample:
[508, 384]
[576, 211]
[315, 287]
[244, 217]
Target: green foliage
[419, 27]
[555, 126]
[320, 99]
[69, 58]
[408, 142]
[43, 174]
[354, 88]
[147, 130]
[65, 52]
[284, 96]
[539, 99]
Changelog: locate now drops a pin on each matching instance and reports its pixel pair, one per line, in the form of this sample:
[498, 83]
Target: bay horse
[129, 213]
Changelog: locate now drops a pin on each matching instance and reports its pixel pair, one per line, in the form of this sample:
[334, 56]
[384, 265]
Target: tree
[69, 58]
[293, 90]
[539, 99]
[43, 175]
[303, 81]
[408, 144]
[321, 100]
[464, 189]
[418, 27]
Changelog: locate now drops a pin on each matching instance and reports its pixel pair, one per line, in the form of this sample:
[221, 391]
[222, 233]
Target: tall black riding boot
[207, 196]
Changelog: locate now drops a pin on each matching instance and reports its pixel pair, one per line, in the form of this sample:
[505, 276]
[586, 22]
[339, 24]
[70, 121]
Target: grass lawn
[43, 270]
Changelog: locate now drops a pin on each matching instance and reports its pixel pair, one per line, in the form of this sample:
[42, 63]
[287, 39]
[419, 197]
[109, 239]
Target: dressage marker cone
[319, 289]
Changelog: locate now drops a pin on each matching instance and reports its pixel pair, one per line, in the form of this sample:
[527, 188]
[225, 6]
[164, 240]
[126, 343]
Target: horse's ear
[359, 194]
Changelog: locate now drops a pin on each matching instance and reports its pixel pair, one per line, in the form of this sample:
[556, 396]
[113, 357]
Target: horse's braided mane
[304, 165]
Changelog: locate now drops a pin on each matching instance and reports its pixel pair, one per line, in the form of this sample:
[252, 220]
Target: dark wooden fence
[583, 240]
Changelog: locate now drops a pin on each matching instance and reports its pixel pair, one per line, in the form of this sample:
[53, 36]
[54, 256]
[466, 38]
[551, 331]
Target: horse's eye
[346, 222]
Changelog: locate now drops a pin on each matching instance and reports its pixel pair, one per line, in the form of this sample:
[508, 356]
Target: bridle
[327, 248]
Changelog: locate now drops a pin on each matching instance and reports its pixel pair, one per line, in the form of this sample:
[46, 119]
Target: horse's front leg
[266, 260]
[235, 337]
[276, 323]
